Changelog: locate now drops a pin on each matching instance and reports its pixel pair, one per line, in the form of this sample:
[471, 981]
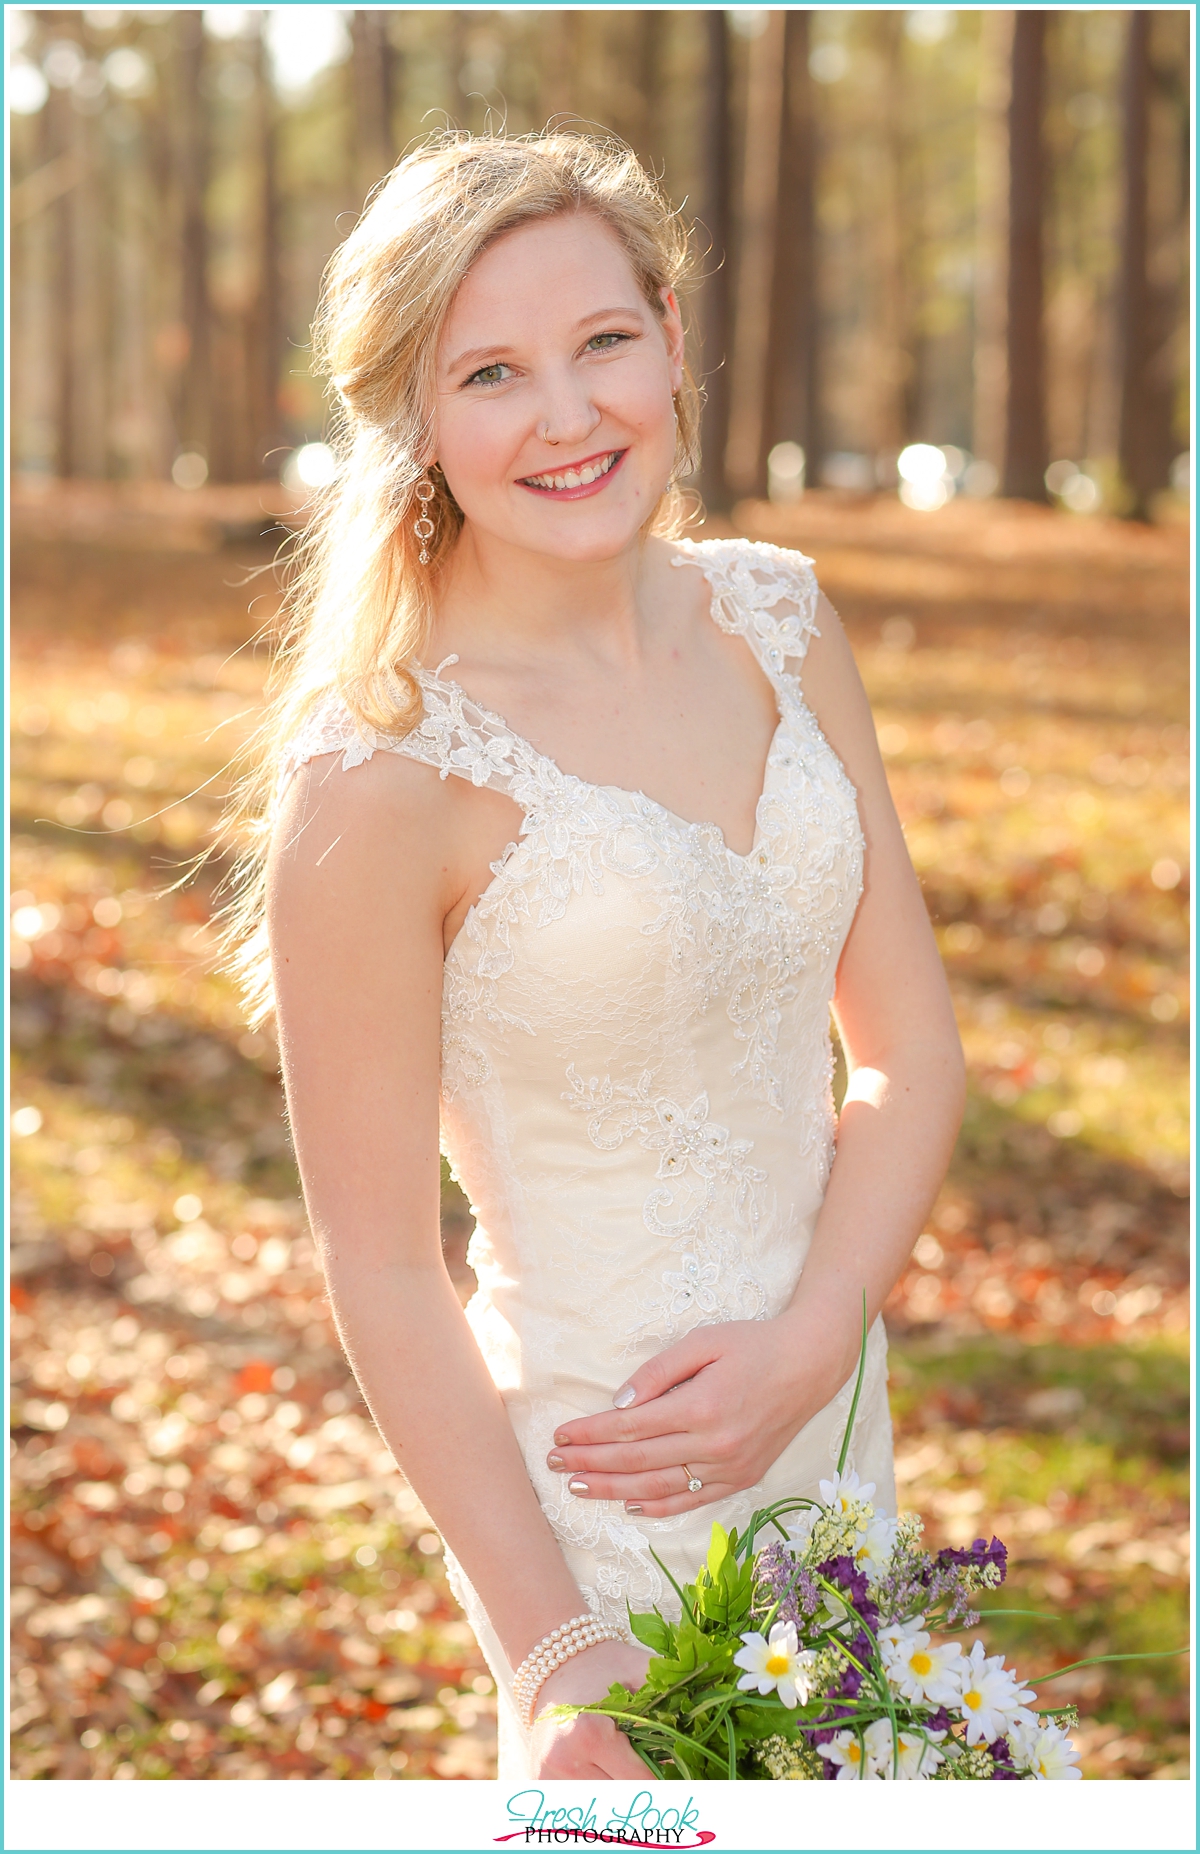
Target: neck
[502, 605]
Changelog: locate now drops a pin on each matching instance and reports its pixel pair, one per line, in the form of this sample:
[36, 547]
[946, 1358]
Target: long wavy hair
[359, 604]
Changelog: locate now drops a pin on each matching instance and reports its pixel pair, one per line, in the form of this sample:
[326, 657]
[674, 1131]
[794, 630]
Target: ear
[672, 328]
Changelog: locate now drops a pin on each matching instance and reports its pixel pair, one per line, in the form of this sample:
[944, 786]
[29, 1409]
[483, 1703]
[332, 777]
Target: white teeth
[575, 479]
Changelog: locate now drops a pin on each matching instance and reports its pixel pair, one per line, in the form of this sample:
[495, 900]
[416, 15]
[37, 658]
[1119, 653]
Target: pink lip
[583, 489]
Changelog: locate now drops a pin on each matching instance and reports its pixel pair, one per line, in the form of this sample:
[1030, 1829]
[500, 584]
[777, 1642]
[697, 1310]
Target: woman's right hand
[589, 1745]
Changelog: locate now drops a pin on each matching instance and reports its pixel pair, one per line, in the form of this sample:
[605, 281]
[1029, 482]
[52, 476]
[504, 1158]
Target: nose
[567, 414]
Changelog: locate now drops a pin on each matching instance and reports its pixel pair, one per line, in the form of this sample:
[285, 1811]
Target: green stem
[650, 1725]
[648, 1761]
[675, 1587]
[862, 1367]
[1158, 1654]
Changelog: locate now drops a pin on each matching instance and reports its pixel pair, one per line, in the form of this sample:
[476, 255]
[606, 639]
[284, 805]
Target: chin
[601, 538]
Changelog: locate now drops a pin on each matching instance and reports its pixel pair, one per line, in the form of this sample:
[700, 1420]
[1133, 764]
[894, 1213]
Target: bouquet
[817, 1654]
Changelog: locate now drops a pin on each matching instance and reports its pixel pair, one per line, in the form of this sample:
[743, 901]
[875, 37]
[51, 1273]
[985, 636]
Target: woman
[592, 896]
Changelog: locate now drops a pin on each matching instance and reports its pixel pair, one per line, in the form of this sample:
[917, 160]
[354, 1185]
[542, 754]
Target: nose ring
[544, 435]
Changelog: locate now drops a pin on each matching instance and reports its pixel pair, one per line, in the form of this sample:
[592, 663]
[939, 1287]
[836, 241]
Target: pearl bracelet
[571, 1638]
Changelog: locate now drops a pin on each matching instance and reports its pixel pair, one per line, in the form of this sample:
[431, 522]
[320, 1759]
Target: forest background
[941, 314]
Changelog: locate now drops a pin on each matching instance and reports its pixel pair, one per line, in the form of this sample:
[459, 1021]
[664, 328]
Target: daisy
[874, 1546]
[1045, 1750]
[845, 1491]
[847, 1752]
[918, 1757]
[988, 1696]
[778, 1665]
[920, 1671]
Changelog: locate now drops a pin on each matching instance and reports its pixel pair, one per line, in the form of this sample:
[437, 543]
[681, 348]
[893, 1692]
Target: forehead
[550, 271]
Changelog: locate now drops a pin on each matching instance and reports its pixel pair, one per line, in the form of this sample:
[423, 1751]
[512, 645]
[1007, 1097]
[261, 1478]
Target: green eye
[607, 342]
[492, 375]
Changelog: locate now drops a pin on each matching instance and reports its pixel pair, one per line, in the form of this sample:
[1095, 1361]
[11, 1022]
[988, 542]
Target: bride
[579, 830]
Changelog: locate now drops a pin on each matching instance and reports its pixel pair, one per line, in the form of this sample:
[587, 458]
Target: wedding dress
[636, 1083]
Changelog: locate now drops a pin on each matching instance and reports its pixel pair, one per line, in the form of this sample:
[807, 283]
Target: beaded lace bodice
[636, 1062]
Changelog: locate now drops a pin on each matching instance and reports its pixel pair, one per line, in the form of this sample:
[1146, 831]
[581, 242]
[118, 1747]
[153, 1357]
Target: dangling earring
[423, 528]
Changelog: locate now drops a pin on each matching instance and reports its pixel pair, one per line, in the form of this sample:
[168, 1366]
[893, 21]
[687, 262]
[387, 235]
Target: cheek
[643, 398]
[474, 450]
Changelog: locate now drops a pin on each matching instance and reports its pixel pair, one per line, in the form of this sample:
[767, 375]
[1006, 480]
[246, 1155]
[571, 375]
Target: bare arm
[357, 900]
[744, 1393]
[905, 1094]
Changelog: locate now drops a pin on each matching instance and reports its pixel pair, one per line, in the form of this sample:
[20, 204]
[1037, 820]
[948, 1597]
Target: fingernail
[563, 1441]
[631, 1508]
[624, 1397]
[555, 1461]
[577, 1486]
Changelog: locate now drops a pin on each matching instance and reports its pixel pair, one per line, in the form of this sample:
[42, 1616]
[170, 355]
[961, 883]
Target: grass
[218, 1572]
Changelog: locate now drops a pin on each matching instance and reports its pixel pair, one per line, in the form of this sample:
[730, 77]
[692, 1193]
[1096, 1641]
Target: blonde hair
[359, 603]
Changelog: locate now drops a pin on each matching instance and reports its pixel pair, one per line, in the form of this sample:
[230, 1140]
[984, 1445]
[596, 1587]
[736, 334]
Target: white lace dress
[636, 1074]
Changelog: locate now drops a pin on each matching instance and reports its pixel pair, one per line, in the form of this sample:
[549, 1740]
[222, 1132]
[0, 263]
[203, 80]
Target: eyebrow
[496, 352]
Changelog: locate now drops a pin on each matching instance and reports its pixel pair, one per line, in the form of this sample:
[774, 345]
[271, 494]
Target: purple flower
[915, 1585]
[781, 1582]
[841, 1571]
[1002, 1758]
[978, 1556]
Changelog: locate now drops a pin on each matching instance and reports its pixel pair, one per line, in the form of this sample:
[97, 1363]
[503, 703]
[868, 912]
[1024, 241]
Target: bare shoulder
[388, 802]
[385, 841]
[833, 690]
[362, 843]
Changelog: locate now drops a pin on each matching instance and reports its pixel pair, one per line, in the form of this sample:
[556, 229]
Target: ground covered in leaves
[218, 1571]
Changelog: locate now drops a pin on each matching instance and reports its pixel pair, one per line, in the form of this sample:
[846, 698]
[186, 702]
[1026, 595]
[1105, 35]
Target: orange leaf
[256, 1375]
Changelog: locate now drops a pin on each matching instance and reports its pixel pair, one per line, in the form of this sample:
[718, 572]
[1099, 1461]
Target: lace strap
[764, 593]
[453, 735]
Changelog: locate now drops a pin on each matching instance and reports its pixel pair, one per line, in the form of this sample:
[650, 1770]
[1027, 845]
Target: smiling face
[555, 427]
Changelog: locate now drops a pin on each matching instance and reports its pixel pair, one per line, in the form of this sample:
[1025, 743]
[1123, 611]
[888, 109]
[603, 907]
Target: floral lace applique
[714, 1280]
[750, 585]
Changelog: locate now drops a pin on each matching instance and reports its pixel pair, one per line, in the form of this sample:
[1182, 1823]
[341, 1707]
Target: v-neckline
[437, 680]
[624, 791]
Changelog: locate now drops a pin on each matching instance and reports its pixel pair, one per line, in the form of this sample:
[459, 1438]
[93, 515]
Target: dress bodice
[636, 1062]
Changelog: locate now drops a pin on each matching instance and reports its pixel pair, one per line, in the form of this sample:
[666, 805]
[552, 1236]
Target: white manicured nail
[624, 1397]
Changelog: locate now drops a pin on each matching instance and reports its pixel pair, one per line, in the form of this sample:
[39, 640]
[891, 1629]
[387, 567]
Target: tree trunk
[371, 93]
[791, 407]
[745, 450]
[267, 330]
[990, 393]
[1143, 313]
[713, 230]
[57, 145]
[91, 235]
[1026, 458]
[652, 44]
[892, 318]
[192, 154]
[560, 66]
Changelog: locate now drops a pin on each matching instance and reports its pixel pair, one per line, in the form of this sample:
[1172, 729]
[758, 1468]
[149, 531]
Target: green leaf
[652, 1630]
[719, 1553]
